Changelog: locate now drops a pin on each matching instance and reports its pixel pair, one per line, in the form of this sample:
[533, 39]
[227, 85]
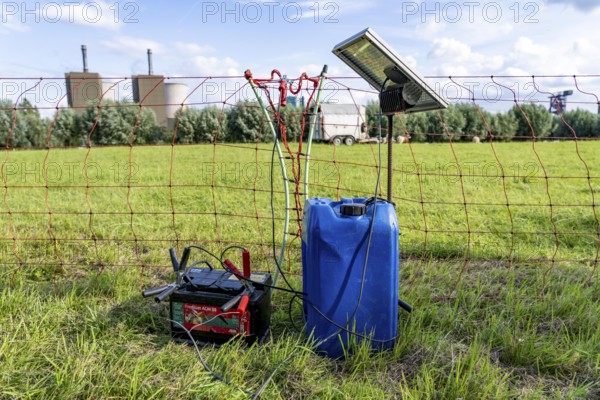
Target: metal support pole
[390, 139]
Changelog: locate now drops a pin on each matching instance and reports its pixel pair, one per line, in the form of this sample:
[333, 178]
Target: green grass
[517, 326]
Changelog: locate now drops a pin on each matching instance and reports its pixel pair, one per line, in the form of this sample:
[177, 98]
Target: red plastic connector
[246, 263]
[233, 268]
[243, 304]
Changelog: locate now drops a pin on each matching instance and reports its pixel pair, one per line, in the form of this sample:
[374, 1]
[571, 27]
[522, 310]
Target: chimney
[84, 54]
[150, 71]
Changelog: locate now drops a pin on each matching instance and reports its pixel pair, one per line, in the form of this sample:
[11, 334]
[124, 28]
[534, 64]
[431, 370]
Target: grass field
[518, 319]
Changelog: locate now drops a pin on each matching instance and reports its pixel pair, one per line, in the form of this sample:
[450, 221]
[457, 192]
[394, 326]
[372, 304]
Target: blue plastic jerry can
[350, 292]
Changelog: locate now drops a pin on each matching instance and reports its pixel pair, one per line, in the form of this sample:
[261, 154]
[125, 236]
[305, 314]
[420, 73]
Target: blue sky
[198, 38]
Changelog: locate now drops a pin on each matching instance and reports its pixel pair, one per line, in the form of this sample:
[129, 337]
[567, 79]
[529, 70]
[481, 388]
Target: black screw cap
[353, 209]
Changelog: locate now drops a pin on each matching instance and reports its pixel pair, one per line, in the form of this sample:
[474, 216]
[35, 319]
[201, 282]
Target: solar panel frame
[368, 55]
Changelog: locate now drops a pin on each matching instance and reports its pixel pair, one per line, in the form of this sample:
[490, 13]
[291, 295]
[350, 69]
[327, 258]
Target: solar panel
[375, 61]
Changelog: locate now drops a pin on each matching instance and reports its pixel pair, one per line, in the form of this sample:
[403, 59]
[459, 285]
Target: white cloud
[447, 69]
[457, 58]
[448, 48]
[131, 46]
[525, 47]
[315, 69]
[410, 61]
[429, 29]
[214, 66]
[479, 32]
[574, 56]
[515, 71]
[19, 16]
[179, 59]
[188, 48]
[585, 47]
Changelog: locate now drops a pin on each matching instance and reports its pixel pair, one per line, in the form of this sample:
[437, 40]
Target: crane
[558, 101]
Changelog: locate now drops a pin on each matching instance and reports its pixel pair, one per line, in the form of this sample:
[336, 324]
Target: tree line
[463, 121]
[114, 122]
[122, 122]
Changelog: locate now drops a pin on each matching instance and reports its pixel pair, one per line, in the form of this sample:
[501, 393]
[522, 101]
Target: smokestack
[84, 54]
[150, 71]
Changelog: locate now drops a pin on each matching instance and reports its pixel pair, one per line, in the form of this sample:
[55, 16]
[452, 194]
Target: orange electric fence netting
[116, 183]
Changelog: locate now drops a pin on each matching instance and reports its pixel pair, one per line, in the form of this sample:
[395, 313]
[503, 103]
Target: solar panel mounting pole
[377, 63]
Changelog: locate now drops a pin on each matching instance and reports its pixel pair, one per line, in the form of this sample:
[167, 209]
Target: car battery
[196, 306]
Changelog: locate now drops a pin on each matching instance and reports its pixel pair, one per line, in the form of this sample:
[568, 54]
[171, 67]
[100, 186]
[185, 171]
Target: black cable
[383, 88]
[206, 251]
[187, 279]
[196, 263]
[373, 199]
[233, 246]
[295, 293]
[221, 378]
[291, 303]
[290, 290]
[262, 284]
[343, 328]
[264, 385]
[216, 375]
[226, 268]
[362, 282]
[255, 395]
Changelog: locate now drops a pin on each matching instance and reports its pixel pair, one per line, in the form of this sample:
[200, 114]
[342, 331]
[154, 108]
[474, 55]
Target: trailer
[341, 123]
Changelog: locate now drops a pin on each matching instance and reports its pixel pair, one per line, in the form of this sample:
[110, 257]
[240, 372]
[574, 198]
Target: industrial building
[175, 94]
[163, 98]
[85, 89]
[149, 91]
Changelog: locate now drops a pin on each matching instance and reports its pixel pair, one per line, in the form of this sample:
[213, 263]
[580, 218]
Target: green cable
[286, 188]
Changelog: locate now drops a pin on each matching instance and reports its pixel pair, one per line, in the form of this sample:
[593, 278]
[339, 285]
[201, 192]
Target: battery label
[177, 312]
[204, 318]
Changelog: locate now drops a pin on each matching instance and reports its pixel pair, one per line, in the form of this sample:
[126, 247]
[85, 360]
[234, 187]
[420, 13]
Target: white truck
[341, 123]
